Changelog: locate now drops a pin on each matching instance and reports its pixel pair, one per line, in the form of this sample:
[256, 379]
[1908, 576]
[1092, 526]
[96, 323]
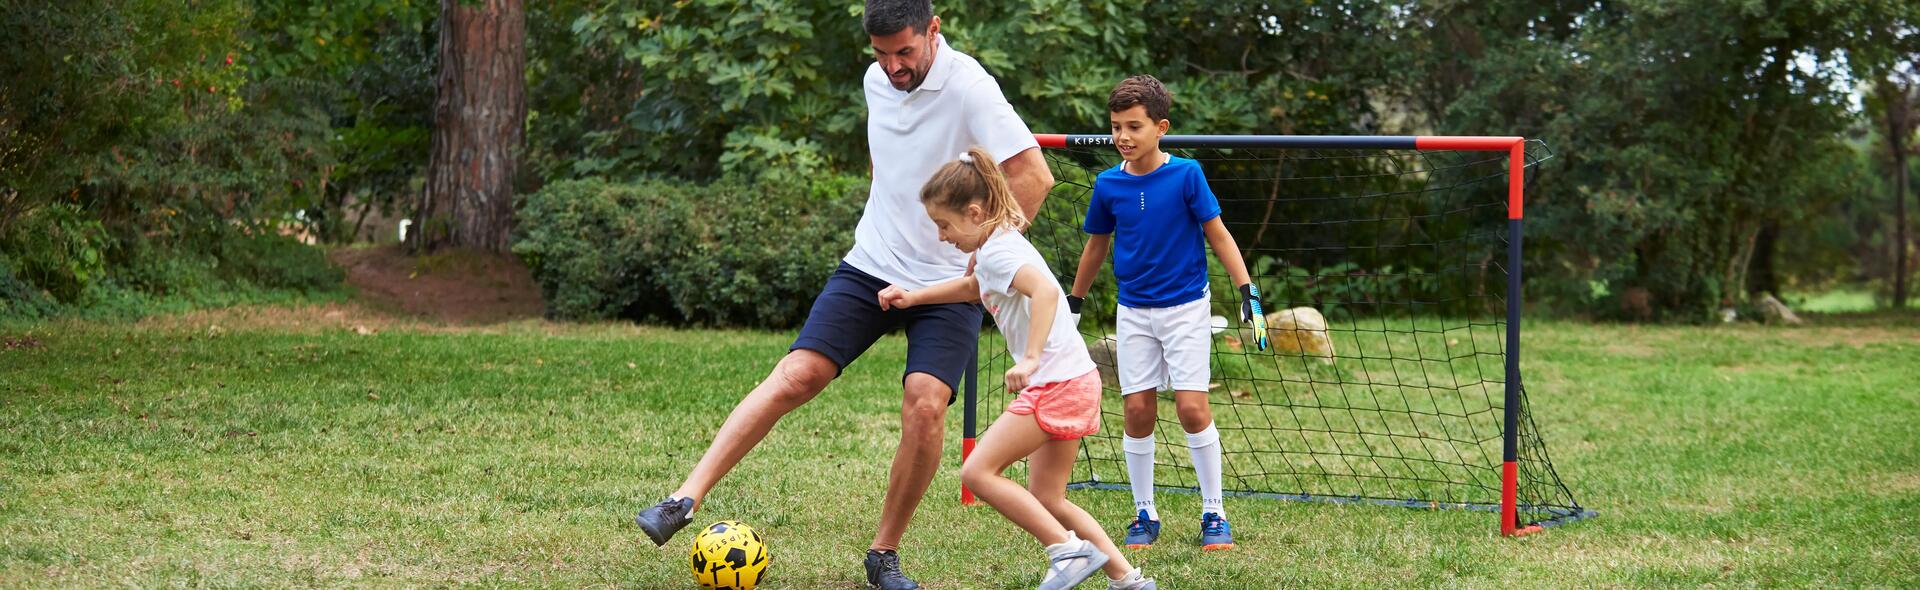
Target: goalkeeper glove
[1251, 312]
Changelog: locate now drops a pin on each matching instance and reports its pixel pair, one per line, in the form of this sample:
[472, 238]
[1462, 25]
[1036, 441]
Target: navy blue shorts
[846, 320]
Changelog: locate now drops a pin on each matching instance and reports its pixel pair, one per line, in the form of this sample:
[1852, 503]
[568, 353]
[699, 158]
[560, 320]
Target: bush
[274, 263]
[20, 299]
[60, 248]
[60, 260]
[591, 245]
[735, 252]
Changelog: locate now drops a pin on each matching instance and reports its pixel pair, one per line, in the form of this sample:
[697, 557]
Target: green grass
[1836, 301]
[281, 449]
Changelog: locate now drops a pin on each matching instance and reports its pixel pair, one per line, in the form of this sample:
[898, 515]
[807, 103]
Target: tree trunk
[1899, 99]
[1746, 241]
[1763, 275]
[479, 122]
[1899, 226]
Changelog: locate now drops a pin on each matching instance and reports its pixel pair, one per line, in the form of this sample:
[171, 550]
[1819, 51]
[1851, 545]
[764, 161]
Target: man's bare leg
[800, 376]
[794, 381]
[923, 423]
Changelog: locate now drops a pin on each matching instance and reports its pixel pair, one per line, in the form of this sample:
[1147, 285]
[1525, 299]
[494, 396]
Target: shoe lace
[890, 566]
[1139, 527]
[1214, 525]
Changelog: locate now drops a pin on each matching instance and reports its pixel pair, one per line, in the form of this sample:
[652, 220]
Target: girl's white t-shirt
[1065, 355]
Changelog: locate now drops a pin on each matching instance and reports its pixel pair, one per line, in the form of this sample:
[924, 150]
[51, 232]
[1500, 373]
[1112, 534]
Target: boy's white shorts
[1164, 347]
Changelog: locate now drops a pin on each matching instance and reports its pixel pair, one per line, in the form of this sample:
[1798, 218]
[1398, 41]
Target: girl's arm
[961, 290]
[1043, 296]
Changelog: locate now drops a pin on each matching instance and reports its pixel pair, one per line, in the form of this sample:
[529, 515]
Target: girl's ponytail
[974, 178]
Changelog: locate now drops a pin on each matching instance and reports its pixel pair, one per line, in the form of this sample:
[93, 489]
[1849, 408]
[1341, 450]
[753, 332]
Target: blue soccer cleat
[1215, 533]
[1142, 532]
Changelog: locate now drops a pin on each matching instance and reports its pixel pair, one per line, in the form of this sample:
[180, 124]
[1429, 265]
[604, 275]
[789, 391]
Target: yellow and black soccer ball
[729, 556]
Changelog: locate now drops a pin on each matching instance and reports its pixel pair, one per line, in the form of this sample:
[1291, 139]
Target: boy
[1157, 214]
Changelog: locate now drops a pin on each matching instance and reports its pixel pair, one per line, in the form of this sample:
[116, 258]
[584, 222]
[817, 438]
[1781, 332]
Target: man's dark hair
[1141, 90]
[886, 17]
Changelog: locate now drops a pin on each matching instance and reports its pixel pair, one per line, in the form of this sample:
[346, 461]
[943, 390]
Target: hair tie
[966, 158]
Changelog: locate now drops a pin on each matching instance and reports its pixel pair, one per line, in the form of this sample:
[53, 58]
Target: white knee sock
[1139, 453]
[1205, 447]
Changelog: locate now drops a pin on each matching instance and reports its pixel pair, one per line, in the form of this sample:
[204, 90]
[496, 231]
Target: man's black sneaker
[666, 518]
[883, 572]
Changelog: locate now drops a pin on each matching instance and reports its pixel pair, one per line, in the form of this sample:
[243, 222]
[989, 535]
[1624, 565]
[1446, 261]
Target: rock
[1104, 357]
[1773, 310]
[1300, 330]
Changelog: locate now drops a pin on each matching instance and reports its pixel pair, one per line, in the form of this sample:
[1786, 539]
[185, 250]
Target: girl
[1059, 388]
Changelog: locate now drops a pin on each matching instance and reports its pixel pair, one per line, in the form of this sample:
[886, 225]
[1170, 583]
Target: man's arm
[1028, 176]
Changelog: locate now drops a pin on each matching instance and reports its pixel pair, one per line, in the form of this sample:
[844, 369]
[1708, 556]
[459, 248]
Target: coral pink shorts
[1066, 410]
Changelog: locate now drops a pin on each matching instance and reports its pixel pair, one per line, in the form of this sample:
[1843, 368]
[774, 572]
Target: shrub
[734, 252]
[60, 248]
[20, 299]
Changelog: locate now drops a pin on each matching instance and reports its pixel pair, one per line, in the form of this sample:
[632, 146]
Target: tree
[1886, 54]
[371, 63]
[479, 127]
[1696, 139]
[1686, 131]
[1899, 96]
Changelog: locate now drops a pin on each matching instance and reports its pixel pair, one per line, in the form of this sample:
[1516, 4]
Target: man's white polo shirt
[910, 135]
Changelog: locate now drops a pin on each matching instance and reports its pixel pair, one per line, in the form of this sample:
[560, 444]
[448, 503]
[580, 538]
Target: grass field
[329, 447]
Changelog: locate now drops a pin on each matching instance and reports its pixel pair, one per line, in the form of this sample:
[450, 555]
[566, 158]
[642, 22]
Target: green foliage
[20, 299]
[1688, 130]
[669, 88]
[273, 262]
[151, 161]
[592, 245]
[59, 248]
[696, 90]
[687, 253]
[736, 272]
[369, 66]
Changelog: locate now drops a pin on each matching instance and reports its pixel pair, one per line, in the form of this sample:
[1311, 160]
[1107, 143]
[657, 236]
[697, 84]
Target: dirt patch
[350, 316]
[16, 342]
[460, 287]
[1849, 336]
[1631, 349]
[1898, 484]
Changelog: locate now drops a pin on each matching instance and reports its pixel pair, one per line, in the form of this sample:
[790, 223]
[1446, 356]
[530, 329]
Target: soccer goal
[1390, 268]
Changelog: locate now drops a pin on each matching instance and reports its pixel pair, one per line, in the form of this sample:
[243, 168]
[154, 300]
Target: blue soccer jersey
[1159, 245]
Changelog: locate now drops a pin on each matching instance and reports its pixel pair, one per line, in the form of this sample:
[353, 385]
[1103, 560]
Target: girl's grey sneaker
[1133, 581]
[1071, 562]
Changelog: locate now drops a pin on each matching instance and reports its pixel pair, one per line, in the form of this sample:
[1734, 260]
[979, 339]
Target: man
[926, 104]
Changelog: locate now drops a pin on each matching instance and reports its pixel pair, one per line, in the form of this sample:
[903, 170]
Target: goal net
[1390, 272]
